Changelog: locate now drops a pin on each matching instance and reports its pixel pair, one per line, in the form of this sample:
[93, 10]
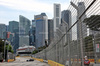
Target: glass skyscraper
[2, 30]
[24, 25]
[81, 7]
[13, 25]
[41, 29]
[24, 28]
[66, 16]
[57, 16]
[14, 36]
[50, 30]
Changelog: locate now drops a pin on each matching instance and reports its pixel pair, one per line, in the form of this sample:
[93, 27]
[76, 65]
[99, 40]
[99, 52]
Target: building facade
[41, 29]
[2, 30]
[23, 41]
[25, 50]
[14, 36]
[16, 40]
[24, 25]
[33, 33]
[81, 8]
[57, 16]
[24, 28]
[13, 25]
[50, 31]
[66, 16]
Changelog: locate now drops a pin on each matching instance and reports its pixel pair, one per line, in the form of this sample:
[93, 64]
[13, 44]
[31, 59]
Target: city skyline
[10, 10]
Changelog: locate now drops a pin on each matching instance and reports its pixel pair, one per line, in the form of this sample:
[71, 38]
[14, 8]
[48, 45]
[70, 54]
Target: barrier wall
[11, 60]
[11, 57]
[52, 63]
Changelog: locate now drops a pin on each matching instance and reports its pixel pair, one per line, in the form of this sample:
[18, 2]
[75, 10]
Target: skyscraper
[23, 41]
[66, 16]
[81, 8]
[32, 33]
[41, 29]
[57, 16]
[14, 36]
[16, 39]
[13, 25]
[24, 27]
[2, 30]
[50, 30]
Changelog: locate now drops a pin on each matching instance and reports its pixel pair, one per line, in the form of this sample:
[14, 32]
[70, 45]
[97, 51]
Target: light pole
[94, 46]
[4, 48]
[8, 50]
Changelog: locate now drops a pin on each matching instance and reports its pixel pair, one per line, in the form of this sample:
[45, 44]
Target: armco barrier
[52, 63]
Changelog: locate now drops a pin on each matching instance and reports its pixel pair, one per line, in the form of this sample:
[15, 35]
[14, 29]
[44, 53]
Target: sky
[11, 9]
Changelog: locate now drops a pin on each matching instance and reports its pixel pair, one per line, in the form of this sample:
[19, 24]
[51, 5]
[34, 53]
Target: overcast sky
[11, 9]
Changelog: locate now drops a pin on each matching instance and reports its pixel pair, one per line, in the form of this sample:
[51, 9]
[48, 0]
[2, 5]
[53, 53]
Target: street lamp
[7, 49]
[4, 48]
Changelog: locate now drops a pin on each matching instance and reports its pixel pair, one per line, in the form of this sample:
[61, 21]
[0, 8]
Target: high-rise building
[24, 25]
[16, 40]
[41, 29]
[2, 30]
[50, 30]
[57, 16]
[13, 25]
[81, 8]
[24, 28]
[66, 16]
[14, 34]
[33, 33]
[23, 41]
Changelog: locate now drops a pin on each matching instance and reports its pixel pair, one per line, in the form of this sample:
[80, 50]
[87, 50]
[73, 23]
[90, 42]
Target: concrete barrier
[11, 60]
[96, 64]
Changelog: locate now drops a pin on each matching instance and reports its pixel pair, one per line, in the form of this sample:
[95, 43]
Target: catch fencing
[78, 37]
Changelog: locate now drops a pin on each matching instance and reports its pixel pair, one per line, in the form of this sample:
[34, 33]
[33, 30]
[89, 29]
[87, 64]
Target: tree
[88, 43]
[1, 46]
[93, 22]
[39, 49]
[35, 51]
[9, 47]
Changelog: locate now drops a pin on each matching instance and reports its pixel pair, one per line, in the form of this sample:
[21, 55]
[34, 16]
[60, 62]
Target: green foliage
[88, 43]
[39, 49]
[9, 47]
[1, 46]
[6, 47]
[93, 22]
[12, 51]
[35, 51]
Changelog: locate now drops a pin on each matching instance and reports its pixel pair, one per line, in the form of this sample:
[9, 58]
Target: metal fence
[72, 43]
[11, 55]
